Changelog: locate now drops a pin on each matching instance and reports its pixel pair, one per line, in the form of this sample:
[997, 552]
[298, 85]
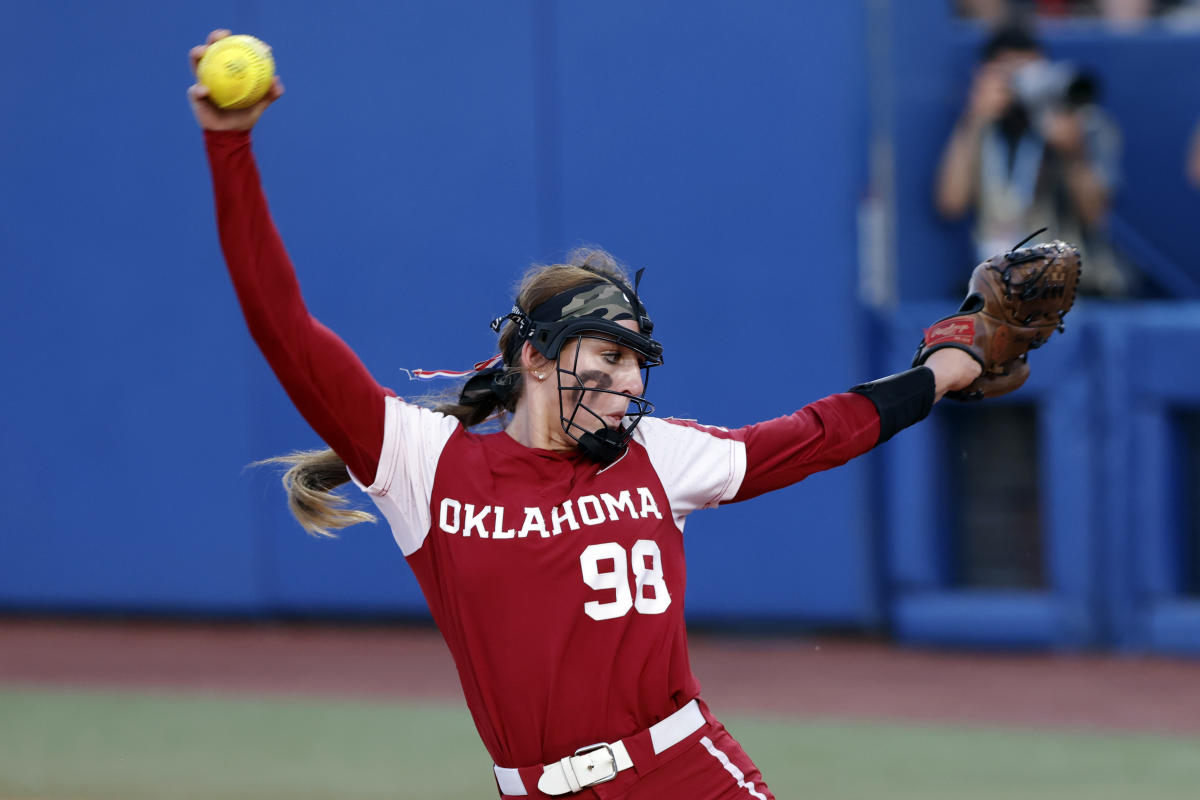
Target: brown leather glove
[1015, 301]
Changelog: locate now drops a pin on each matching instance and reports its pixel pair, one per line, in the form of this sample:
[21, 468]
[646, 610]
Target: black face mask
[605, 444]
[591, 311]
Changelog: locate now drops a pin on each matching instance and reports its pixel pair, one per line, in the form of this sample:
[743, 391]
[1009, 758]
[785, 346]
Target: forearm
[955, 190]
[906, 398]
[840, 427]
[258, 263]
[819, 436]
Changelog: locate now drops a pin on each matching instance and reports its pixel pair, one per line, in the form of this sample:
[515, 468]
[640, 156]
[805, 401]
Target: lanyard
[1011, 188]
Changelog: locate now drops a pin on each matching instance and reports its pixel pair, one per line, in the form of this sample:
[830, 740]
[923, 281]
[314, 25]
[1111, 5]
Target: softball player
[550, 553]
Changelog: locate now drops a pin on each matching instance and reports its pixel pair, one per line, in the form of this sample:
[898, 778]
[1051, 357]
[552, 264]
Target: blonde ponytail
[309, 480]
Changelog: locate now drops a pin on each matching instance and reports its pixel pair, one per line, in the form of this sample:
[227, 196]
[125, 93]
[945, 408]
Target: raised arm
[329, 385]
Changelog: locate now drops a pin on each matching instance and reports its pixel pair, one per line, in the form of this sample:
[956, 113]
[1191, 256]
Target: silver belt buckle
[591, 748]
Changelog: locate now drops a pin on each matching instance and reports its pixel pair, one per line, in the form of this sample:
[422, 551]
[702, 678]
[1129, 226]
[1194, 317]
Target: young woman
[551, 552]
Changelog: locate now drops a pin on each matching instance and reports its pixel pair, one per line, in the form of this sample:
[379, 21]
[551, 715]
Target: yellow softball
[237, 71]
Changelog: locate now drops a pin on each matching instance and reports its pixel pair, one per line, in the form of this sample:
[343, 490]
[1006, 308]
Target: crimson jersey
[557, 582]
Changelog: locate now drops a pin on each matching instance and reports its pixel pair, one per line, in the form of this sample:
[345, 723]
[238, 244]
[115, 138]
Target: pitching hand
[211, 118]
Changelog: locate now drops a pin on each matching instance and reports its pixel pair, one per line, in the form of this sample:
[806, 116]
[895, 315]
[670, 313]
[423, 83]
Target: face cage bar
[641, 406]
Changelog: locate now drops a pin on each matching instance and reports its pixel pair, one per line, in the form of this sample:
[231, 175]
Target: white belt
[601, 762]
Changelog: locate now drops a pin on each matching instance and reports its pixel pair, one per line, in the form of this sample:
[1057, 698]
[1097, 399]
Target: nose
[629, 381]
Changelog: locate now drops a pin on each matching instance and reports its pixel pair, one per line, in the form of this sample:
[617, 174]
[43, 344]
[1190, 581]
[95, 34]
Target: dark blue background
[423, 156]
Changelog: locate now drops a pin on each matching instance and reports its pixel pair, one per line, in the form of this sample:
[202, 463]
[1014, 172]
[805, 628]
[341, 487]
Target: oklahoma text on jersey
[455, 516]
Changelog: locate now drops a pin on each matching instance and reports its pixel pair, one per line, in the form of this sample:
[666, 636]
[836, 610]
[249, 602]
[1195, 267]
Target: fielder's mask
[591, 311]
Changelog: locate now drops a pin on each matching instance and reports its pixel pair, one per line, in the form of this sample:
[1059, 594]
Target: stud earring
[541, 377]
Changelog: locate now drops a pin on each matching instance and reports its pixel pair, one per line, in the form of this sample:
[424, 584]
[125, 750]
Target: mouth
[613, 420]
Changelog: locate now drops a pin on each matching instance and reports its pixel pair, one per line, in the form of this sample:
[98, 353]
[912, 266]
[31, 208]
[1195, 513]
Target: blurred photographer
[1032, 150]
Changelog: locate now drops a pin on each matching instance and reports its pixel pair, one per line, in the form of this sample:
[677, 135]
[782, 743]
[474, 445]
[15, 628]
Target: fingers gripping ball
[1015, 302]
[237, 71]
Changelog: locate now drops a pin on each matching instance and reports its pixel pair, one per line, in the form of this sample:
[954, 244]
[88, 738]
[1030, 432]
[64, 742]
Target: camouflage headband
[596, 300]
[601, 300]
[607, 302]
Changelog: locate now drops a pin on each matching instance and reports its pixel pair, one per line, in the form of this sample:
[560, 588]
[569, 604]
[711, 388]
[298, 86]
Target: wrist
[953, 369]
[900, 400]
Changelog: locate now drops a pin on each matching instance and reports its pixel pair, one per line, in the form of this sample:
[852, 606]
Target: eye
[612, 356]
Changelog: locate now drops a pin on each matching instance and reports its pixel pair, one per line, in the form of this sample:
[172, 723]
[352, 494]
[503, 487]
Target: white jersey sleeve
[699, 466]
[413, 440]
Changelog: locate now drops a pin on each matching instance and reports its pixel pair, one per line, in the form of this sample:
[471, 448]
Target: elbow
[1093, 211]
[951, 206]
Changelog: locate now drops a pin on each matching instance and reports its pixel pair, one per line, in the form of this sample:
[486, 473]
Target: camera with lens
[1042, 87]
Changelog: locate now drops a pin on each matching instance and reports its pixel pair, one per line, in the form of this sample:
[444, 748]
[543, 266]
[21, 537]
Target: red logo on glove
[956, 330]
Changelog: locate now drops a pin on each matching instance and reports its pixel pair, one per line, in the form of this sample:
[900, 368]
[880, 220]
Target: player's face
[601, 363]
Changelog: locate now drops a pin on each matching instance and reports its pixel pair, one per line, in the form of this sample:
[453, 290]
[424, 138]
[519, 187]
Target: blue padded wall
[1149, 600]
[424, 154]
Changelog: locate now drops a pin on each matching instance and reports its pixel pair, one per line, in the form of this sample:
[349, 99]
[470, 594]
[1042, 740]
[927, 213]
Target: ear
[532, 360]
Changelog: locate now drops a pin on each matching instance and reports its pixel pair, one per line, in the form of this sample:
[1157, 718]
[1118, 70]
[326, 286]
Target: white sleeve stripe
[737, 472]
[413, 440]
[386, 471]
